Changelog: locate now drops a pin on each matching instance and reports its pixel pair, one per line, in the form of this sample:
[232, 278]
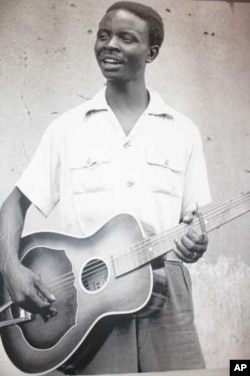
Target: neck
[157, 245]
[128, 96]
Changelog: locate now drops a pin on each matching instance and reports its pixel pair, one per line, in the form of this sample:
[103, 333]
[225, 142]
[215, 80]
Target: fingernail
[53, 297]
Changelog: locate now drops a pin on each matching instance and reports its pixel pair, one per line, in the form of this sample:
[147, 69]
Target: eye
[102, 35]
[126, 38]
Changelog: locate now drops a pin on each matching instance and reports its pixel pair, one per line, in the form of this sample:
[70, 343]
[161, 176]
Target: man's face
[122, 46]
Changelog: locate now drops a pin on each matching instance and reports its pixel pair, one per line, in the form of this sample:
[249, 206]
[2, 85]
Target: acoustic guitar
[108, 274]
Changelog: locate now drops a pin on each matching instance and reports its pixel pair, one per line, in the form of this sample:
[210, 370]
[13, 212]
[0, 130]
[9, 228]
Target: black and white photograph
[125, 187]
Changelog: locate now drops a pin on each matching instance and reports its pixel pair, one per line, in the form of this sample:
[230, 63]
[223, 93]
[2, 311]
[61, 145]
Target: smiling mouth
[111, 60]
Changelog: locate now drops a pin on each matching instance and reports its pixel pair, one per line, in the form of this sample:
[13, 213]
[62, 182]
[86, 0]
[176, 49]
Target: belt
[159, 262]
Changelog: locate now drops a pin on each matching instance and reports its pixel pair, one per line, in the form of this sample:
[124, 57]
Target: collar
[156, 106]
[97, 103]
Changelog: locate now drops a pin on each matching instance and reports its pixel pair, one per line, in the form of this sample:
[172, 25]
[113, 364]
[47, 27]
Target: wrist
[10, 264]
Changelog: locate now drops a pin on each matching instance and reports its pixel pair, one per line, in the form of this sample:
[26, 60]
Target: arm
[25, 288]
[192, 246]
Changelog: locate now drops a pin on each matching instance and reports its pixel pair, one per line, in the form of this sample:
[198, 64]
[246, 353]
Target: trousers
[167, 340]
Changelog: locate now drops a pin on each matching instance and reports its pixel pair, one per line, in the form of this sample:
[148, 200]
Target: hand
[191, 247]
[29, 292]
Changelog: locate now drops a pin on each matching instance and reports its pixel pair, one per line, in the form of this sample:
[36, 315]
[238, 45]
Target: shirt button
[126, 145]
[166, 162]
[130, 184]
[88, 161]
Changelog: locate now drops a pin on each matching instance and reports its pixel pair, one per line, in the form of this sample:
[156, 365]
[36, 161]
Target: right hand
[28, 291]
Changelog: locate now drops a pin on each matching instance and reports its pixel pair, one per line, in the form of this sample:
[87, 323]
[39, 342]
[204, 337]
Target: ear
[152, 54]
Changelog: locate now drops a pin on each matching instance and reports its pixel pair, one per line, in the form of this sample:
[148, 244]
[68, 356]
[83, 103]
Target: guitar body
[96, 281]
[80, 273]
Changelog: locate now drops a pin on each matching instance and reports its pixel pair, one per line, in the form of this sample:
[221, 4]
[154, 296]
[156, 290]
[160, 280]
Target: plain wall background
[48, 66]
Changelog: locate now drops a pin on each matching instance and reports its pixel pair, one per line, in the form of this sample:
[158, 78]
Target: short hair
[148, 14]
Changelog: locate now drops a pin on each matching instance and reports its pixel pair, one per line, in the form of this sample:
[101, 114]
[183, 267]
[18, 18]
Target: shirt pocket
[165, 171]
[91, 171]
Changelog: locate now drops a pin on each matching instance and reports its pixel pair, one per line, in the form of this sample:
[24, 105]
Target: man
[124, 151]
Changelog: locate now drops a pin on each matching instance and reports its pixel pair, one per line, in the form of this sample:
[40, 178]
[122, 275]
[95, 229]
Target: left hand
[191, 247]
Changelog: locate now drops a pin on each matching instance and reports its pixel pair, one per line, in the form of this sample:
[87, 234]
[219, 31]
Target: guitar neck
[155, 246]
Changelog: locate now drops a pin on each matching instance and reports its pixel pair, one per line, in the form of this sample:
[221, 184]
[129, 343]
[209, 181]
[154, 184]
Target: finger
[188, 249]
[33, 304]
[189, 260]
[203, 238]
[44, 291]
[196, 237]
[186, 243]
[38, 305]
[188, 218]
[182, 248]
[45, 294]
[48, 313]
[37, 302]
[29, 300]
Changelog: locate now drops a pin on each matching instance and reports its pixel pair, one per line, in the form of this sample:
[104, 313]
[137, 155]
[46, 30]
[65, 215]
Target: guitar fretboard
[150, 248]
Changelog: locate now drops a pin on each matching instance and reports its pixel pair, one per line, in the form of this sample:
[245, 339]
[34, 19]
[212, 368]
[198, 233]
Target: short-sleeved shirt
[157, 172]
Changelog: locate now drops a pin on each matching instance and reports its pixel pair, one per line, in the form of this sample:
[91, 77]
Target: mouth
[111, 61]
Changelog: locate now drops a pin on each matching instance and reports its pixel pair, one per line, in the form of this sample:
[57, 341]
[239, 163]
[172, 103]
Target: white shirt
[157, 173]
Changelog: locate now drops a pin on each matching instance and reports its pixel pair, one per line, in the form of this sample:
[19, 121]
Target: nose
[112, 43]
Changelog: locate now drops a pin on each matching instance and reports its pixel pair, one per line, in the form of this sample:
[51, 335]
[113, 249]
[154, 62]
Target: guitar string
[69, 289]
[196, 222]
[71, 279]
[71, 286]
[56, 280]
[156, 243]
[210, 214]
[86, 275]
[139, 248]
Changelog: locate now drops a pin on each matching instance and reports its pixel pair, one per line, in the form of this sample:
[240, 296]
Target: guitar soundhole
[94, 275]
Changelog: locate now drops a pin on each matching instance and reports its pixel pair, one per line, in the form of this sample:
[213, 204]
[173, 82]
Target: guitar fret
[73, 268]
[226, 213]
[150, 248]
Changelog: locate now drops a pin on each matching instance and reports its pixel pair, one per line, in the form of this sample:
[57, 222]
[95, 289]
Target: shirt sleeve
[40, 180]
[196, 186]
